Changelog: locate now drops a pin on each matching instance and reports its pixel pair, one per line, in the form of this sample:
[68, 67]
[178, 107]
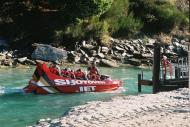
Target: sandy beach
[165, 109]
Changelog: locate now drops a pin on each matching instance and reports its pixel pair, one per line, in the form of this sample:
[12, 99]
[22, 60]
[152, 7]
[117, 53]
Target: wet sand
[165, 109]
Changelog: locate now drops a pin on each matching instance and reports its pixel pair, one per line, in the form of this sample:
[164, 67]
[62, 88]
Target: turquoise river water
[18, 109]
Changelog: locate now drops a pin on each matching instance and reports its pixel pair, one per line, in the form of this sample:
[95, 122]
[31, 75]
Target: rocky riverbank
[134, 52]
[165, 109]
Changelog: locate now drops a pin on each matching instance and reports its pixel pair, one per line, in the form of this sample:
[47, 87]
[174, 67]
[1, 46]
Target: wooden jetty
[159, 82]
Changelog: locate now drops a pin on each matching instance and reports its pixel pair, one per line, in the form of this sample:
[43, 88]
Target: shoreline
[21, 66]
[155, 110]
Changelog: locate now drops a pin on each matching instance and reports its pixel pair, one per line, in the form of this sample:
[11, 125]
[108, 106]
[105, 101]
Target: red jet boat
[44, 82]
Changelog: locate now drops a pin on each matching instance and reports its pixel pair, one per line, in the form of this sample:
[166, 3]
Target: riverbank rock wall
[135, 52]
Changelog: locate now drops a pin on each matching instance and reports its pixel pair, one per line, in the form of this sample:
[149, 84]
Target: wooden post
[156, 68]
[139, 83]
[177, 72]
[189, 67]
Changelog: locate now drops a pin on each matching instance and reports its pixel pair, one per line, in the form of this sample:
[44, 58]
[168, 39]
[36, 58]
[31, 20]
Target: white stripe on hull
[41, 85]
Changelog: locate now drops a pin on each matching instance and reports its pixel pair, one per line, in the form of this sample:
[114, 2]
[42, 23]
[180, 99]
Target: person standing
[93, 72]
[92, 69]
[166, 63]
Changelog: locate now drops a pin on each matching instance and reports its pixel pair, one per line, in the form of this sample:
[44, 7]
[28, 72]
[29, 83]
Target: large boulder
[82, 52]
[145, 56]
[9, 55]
[84, 59]
[131, 49]
[100, 55]
[109, 63]
[104, 49]
[147, 61]
[22, 60]
[88, 46]
[77, 59]
[175, 40]
[137, 47]
[91, 59]
[137, 55]
[135, 62]
[150, 43]
[176, 44]
[30, 62]
[117, 57]
[116, 47]
[2, 56]
[127, 56]
[126, 48]
[48, 53]
[93, 53]
[7, 62]
[74, 57]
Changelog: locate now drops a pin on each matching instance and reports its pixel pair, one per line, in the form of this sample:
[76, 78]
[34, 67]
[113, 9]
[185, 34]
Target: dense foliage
[158, 15]
[65, 21]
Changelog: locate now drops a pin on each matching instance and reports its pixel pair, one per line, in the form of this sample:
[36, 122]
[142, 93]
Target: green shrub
[90, 28]
[158, 16]
[121, 22]
[87, 8]
[117, 9]
[57, 21]
[125, 26]
[75, 30]
[104, 34]
[169, 17]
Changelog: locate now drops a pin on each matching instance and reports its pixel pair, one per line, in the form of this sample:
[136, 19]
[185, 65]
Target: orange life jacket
[54, 70]
[93, 70]
[94, 77]
[79, 75]
[65, 73]
[71, 74]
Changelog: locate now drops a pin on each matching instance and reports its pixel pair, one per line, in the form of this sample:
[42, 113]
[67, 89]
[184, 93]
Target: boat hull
[44, 82]
[35, 87]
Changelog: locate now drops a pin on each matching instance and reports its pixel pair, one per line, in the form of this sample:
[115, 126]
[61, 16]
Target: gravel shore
[165, 109]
